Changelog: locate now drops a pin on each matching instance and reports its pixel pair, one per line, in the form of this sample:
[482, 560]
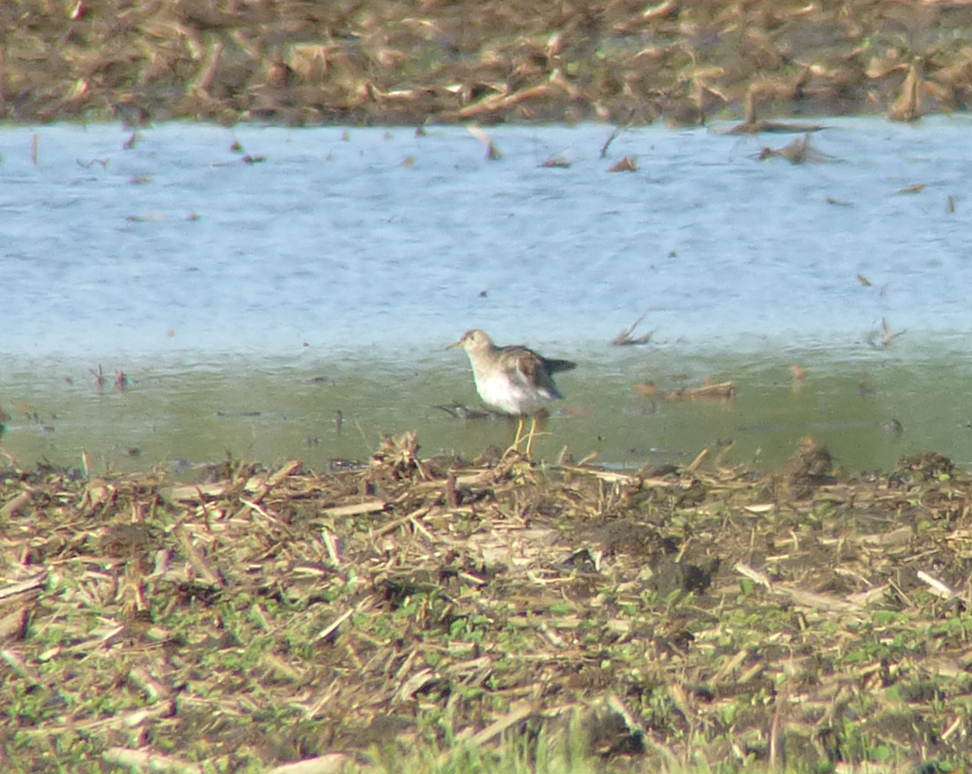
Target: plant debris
[797, 152]
[264, 616]
[627, 164]
[627, 338]
[492, 152]
[557, 161]
[884, 338]
[400, 63]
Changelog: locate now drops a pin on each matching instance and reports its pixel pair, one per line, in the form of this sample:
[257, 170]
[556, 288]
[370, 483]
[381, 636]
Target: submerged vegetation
[704, 618]
[370, 61]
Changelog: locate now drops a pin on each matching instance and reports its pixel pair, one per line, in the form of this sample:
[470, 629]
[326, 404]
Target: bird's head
[473, 341]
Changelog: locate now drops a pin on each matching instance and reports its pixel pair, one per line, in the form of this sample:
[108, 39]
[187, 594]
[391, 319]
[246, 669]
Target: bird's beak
[455, 345]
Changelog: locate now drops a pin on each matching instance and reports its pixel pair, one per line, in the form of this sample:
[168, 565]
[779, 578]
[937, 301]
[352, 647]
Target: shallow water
[177, 244]
[249, 303]
[319, 409]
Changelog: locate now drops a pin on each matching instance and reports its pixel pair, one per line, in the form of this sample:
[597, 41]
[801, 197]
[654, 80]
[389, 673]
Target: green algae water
[868, 406]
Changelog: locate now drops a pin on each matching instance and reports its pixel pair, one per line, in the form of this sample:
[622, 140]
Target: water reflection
[176, 243]
[630, 406]
[247, 304]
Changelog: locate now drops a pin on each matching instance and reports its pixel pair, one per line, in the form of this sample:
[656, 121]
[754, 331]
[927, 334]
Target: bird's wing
[534, 371]
[520, 362]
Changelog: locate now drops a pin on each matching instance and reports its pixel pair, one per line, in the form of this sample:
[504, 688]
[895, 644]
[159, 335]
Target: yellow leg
[532, 435]
[520, 424]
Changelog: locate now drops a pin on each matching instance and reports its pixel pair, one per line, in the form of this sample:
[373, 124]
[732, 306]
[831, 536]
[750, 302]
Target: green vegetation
[434, 615]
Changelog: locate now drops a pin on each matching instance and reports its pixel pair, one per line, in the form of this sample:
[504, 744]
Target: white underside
[510, 395]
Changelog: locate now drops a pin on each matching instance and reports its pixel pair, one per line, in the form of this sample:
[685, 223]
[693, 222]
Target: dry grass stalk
[334, 763]
[607, 143]
[146, 761]
[752, 125]
[912, 189]
[907, 107]
[884, 338]
[558, 161]
[625, 337]
[627, 164]
[797, 152]
[718, 392]
[492, 152]
[375, 593]
[397, 63]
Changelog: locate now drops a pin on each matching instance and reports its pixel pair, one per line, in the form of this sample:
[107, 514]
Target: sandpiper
[513, 379]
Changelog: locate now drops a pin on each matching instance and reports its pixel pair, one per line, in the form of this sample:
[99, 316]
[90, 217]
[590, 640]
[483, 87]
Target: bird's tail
[553, 366]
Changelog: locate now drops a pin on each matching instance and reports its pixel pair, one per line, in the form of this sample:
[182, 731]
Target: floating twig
[624, 338]
[884, 338]
[607, 143]
[627, 164]
[558, 161]
[492, 152]
[797, 152]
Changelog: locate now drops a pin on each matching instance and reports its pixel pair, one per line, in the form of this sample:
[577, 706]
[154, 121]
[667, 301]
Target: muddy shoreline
[370, 62]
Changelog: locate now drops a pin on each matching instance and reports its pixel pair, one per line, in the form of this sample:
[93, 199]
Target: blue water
[177, 245]
[252, 305]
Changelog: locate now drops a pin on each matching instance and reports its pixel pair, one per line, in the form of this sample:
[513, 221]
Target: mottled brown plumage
[512, 379]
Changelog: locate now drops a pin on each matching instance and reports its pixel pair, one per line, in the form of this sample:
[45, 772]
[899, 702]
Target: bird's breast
[509, 394]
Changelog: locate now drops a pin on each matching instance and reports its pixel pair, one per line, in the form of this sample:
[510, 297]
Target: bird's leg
[532, 435]
[520, 424]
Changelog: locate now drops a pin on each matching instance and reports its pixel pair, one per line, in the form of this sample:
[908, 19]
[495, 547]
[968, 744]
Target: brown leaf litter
[375, 61]
[264, 616]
